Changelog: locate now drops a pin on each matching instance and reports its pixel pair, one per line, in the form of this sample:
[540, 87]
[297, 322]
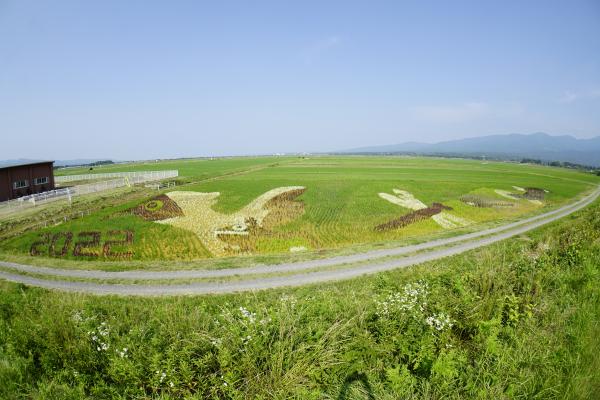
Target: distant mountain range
[57, 163]
[539, 146]
[535, 146]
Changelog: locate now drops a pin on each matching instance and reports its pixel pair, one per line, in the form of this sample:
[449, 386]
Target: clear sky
[144, 79]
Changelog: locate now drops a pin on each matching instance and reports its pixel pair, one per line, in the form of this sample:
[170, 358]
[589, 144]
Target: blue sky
[143, 79]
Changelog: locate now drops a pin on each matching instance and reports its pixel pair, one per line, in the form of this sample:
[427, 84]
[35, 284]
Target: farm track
[228, 175]
[431, 250]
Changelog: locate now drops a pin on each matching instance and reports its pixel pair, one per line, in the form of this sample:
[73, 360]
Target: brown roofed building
[19, 180]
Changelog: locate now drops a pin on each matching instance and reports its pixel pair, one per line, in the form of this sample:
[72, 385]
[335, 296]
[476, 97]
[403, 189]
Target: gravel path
[462, 243]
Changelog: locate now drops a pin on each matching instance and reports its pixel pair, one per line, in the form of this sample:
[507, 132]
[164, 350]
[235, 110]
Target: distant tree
[531, 161]
[102, 162]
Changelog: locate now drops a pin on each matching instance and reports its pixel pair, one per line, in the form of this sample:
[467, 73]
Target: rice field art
[214, 228]
[158, 208]
[437, 212]
[247, 207]
[533, 195]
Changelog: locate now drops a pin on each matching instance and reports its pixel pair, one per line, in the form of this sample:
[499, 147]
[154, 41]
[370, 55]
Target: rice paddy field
[282, 206]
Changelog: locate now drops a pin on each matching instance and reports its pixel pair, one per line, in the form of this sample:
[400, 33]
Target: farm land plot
[340, 203]
[192, 169]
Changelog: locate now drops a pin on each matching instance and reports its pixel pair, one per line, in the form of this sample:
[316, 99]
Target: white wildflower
[439, 321]
[77, 317]
[289, 300]
[411, 298]
[99, 338]
[250, 316]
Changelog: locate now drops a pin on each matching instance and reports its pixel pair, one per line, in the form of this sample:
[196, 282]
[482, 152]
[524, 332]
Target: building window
[40, 181]
[20, 184]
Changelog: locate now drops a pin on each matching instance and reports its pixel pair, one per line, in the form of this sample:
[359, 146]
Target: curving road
[436, 249]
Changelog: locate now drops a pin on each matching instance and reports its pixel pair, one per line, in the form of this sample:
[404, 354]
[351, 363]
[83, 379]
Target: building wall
[10, 175]
[4, 185]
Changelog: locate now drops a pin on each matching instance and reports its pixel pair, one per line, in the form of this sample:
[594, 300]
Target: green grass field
[193, 169]
[341, 206]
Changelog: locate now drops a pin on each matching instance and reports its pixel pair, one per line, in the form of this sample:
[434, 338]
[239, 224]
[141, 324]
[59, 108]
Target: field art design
[157, 208]
[214, 228]
[421, 211]
[276, 206]
[88, 244]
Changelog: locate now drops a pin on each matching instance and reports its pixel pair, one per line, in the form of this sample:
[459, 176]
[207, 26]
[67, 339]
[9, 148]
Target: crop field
[282, 205]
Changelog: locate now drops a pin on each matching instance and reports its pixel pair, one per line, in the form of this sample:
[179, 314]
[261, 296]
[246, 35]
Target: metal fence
[147, 175]
[34, 199]
[25, 202]
[160, 185]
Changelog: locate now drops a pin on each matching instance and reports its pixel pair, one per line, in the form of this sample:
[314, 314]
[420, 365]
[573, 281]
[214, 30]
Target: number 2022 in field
[87, 244]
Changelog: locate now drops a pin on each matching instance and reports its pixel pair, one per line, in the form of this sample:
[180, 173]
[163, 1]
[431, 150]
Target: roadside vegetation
[518, 319]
